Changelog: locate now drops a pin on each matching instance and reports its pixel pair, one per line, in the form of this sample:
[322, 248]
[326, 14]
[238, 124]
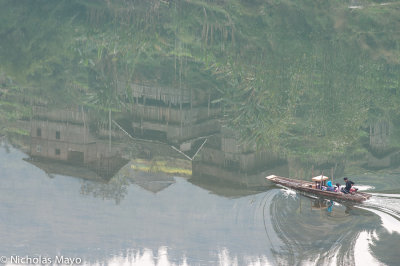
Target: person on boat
[329, 186]
[337, 188]
[348, 186]
[353, 189]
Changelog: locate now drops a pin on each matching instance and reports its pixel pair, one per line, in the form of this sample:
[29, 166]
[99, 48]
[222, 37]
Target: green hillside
[301, 76]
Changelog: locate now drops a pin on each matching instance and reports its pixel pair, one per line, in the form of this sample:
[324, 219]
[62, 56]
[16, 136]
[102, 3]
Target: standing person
[348, 186]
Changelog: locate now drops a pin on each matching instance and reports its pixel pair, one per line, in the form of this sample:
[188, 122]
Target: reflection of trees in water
[6, 147]
[304, 97]
[115, 189]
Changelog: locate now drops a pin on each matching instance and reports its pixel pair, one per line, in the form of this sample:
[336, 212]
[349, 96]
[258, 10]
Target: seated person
[329, 186]
[353, 189]
[349, 184]
[337, 188]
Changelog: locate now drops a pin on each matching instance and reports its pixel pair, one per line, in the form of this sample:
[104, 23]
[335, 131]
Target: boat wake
[287, 192]
[387, 207]
[348, 238]
[364, 187]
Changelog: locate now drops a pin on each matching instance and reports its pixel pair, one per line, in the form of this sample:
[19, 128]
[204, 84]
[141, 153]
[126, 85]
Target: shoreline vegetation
[315, 82]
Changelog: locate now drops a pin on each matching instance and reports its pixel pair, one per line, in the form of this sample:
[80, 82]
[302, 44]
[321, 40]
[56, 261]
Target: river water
[49, 215]
[141, 132]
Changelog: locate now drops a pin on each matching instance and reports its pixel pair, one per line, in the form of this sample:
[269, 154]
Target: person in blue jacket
[329, 186]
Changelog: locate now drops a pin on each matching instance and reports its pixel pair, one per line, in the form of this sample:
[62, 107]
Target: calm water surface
[51, 215]
[217, 83]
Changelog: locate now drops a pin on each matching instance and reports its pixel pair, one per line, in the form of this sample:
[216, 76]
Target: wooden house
[225, 156]
[66, 138]
[172, 114]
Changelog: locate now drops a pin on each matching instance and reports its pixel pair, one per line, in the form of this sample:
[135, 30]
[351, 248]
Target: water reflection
[129, 206]
[161, 257]
[183, 217]
[67, 142]
[179, 223]
[319, 231]
[150, 175]
[145, 257]
[77, 136]
[64, 136]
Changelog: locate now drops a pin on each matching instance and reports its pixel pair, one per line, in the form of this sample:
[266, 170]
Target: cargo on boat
[315, 188]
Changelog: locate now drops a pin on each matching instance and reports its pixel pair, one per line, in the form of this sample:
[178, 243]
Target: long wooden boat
[309, 187]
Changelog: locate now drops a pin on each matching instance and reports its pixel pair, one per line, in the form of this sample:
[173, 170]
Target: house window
[57, 151]
[38, 148]
[38, 132]
[57, 134]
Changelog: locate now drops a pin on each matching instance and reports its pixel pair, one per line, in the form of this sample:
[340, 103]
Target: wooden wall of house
[60, 131]
[73, 115]
[164, 94]
[60, 150]
[57, 140]
[173, 115]
[246, 162]
[232, 145]
[167, 95]
[200, 169]
[176, 133]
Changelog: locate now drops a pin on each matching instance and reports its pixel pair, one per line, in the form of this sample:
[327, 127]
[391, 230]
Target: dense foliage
[299, 75]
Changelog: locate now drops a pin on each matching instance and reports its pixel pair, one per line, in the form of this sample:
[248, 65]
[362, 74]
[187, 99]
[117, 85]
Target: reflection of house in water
[226, 188]
[53, 167]
[225, 157]
[173, 114]
[63, 135]
[153, 182]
